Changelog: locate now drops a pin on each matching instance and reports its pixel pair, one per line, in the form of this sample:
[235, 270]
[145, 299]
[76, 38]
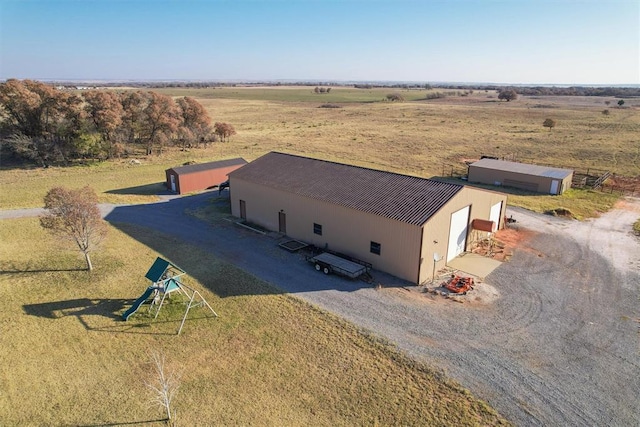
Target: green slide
[136, 305]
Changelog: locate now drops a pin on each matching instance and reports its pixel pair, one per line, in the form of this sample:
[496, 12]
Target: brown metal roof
[199, 167]
[404, 198]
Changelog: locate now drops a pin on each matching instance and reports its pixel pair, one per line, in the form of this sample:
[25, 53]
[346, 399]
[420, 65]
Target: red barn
[189, 178]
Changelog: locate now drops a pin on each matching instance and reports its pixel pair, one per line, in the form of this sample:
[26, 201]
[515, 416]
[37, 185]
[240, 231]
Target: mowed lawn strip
[269, 359]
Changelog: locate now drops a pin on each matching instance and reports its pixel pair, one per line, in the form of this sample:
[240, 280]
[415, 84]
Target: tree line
[46, 125]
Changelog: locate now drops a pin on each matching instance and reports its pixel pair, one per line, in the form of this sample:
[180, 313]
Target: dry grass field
[423, 137]
[420, 136]
[269, 359]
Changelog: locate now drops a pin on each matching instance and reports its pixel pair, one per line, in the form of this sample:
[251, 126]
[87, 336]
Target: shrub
[395, 97]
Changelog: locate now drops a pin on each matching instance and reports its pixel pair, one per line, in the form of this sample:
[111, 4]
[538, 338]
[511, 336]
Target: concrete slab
[474, 264]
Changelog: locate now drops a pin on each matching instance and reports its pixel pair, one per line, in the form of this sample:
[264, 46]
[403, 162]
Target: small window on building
[317, 229]
[375, 248]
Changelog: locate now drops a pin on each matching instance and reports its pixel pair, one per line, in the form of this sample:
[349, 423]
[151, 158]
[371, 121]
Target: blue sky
[508, 41]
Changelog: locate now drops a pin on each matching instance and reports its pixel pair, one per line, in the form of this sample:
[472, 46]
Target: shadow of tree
[44, 270]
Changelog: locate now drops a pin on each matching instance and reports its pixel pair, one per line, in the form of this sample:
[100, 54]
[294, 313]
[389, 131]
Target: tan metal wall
[436, 231]
[534, 183]
[344, 230]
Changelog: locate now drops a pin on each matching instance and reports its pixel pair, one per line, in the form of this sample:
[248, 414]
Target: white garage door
[495, 214]
[458, 233]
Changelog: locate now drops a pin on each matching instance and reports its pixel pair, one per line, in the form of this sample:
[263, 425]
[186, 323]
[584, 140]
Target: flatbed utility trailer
[329, 263]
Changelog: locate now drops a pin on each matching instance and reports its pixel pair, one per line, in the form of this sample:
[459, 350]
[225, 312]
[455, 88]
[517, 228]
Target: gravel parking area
[557, 344]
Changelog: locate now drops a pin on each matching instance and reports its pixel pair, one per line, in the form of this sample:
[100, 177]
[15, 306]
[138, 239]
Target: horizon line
[317, 81]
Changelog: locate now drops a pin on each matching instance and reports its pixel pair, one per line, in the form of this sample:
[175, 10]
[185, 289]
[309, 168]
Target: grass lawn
[269, 359]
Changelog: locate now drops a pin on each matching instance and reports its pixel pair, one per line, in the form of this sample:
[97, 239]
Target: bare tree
[74, 214]
[549, 123]
[165, 385]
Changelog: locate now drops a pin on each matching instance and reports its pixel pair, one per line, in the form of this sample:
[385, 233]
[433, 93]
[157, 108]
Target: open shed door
[458, 233]
[494, 215]
[554, 186]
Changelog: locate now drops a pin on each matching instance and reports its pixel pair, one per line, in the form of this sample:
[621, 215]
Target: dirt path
[559, 346]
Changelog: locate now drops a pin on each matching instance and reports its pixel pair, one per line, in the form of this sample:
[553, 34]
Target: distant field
[421, 137]
[298, 94]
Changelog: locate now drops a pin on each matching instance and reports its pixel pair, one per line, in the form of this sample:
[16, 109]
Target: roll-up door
[458, 233]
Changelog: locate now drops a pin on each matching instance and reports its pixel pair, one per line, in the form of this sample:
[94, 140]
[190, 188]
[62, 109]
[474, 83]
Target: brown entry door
[282, 222]
[243, 209]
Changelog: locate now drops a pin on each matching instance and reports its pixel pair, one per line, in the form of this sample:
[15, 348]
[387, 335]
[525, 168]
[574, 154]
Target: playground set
[165, 279]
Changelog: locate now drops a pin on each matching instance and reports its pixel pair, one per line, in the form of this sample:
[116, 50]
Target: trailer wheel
[318, 268]
[326, 270]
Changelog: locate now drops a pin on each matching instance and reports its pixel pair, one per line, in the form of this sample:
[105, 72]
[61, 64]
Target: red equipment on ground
[459, 284]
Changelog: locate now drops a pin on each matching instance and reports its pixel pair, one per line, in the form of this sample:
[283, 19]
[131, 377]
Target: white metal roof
[522, 168]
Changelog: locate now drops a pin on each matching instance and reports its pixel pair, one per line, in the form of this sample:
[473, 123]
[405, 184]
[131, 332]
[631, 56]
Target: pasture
[422, 137]
[269, 359]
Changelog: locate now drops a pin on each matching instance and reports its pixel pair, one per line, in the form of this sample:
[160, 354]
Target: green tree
[621, 103]
[74, 215]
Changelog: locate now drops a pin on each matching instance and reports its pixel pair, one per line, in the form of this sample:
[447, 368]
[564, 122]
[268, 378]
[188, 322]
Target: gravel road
[558, 347]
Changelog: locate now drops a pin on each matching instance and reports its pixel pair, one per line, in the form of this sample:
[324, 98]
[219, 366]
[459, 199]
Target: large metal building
[200, 176]
[538, 179]
[401, 224]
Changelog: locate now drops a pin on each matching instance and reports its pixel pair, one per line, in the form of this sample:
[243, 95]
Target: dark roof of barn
[522, 168]
[404, 198]
[199, 167]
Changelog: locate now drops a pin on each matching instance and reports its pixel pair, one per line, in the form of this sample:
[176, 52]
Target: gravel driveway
[558, 347]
